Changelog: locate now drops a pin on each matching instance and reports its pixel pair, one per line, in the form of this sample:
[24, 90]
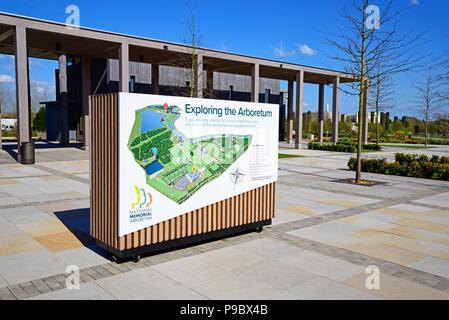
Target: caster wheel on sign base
[137, 258]
[259, 230]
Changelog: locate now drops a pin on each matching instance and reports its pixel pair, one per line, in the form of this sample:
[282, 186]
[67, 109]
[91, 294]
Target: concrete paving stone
[53, 283]
[438, 200]
[18, 292]
[6, 294]
[230, 258]
[8, 201]
[190, 271]
[419, 224]
[385, 238]
[428, 248]
[7, 227]
[30, 288]
[29, 266]
[3, 282]
[329, 267]
[385, 252]
[325, 289]
[17, 243]
[41, 286]
[394, 288]
[329, 232]
[16, 170]
[24, 215]
[137, 283]
[276, 274]
[271, 248]
[88, 291]
[237, 287]
[432, 265]
[44, 227]
[176, 292]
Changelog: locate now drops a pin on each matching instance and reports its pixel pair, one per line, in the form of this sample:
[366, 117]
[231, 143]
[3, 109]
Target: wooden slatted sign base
[245, 212]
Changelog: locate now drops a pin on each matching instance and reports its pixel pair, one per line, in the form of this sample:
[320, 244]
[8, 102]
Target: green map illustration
[176, 165]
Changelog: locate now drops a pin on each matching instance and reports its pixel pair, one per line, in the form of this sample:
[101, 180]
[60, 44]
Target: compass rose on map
[236, 176]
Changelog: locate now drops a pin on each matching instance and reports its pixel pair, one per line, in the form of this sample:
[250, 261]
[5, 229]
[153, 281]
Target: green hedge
[418, 166]
[342, 147]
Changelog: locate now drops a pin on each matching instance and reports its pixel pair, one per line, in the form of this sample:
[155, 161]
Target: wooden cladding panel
[249, 207]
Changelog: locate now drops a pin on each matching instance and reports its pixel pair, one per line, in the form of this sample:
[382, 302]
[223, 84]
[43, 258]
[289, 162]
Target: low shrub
[332, 147]
[418, 166]
[343, 147]
[372, 147]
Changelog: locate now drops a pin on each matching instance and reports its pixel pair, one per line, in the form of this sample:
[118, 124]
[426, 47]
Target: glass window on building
[132, 84]
[267, 95]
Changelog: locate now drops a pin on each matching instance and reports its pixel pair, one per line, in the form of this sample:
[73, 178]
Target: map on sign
[177, 165]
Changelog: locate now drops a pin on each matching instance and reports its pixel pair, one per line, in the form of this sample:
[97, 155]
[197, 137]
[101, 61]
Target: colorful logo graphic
[144, 199]
[141, 209]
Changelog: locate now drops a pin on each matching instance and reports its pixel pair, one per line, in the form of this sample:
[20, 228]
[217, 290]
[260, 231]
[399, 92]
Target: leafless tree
[38, 94]
[363, 41]
[381, 96]
[428, 99]
[189, 62]
[6, 98]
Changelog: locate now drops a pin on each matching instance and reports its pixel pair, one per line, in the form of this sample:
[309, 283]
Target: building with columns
[26, 37]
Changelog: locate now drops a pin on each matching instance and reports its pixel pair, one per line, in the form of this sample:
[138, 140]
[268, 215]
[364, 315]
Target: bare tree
[6, 97]
[365, 39]
[38, 94]
[428, 99]
[381, 96]
[190, 62]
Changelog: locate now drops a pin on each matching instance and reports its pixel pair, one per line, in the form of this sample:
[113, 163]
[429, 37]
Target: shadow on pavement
[77, 221]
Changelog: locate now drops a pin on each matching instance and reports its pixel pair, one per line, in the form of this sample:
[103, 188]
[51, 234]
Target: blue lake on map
[150, 120]
[153, 167]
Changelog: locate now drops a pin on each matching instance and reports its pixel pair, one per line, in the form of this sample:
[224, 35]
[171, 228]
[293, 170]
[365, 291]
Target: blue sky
[247, 27]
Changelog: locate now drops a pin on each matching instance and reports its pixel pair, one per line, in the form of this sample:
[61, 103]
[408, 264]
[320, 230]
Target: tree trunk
[427, 132]
[358, 175]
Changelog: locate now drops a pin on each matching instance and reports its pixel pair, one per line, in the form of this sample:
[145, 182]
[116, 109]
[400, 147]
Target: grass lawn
[403, 146]
[286, 156]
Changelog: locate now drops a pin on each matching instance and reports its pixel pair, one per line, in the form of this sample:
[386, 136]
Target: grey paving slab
[3, 282]
[7, 227]
[276, 274]
[322, 265]
[432, 265]
[7, 201]
[29, 266]
[230, 258]
[24, 215]
[237, 287]
[177, 292]
[82, 257]
[136, 283]
[190, 271]
[88, 291]
[441, 200]
[324, 289]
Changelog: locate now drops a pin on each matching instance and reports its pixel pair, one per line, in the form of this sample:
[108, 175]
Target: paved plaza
[326, 233]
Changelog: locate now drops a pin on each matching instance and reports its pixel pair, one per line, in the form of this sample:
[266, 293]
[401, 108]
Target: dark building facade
[173, 81]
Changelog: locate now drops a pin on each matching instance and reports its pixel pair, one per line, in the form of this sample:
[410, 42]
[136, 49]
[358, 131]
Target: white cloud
[414, 2]
[306, 50]
[281, 53]
[4, 78]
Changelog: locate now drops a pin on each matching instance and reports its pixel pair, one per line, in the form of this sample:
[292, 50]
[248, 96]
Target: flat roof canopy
[46, 39]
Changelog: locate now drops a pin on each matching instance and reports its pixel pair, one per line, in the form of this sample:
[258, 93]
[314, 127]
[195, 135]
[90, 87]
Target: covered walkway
[26, 37]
